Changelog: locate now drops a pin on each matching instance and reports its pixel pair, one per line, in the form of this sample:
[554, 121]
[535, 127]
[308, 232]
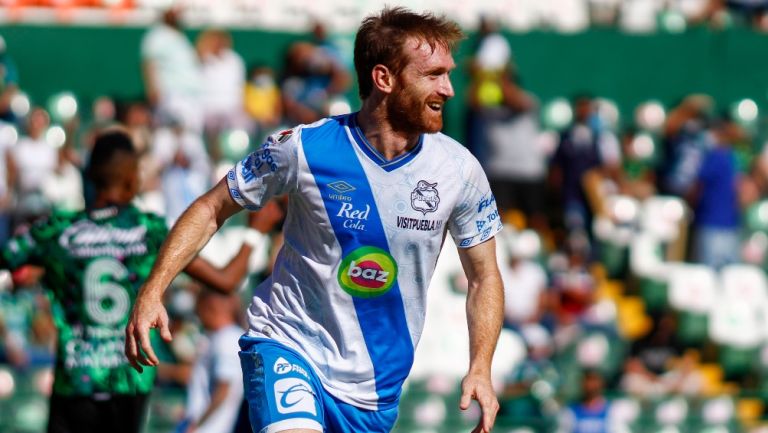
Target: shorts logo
[425, 197]
[294, 395]
[282, 366]
[367, 272]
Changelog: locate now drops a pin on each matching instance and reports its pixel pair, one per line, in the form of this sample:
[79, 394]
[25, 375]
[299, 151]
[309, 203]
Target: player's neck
[380, 133]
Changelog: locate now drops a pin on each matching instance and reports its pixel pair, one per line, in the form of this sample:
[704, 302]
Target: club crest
[425, 197]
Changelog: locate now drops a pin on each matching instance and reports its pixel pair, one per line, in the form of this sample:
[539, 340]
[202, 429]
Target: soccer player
[371, 196]
[94, 262]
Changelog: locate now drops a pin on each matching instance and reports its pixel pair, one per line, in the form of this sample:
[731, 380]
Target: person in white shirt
[215, 388]
[223, 72]
[371, 197]
[172, 76]
[33, 161]
[183, 165]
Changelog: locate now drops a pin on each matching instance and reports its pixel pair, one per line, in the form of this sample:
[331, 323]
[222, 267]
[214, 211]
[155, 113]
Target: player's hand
[148, 312]
[478, 387]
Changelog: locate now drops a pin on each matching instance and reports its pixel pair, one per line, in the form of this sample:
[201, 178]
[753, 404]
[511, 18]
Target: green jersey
[94, 264]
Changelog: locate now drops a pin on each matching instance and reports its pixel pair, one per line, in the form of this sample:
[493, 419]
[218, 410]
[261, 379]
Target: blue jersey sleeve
[267, 172]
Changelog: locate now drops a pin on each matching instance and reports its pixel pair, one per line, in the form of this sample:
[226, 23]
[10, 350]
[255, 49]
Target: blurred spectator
[573, 286]
[184, 167]
[9, 83]
[517, 400]
[584, 146]
[262, 100]
[7, 176]
[604, 12]
[172, 75]
[516, 164]
[503, 128]
[638, 176]
[592, 413]
[680, 377]
[749, 12]
[312, 80]
[223, 72]
[103, 115]
[685, 140]
[32, 160]
[27, 331]
[137, 119]
[656, 350]
[215, 388]
[489, 70]
[329, 47]
[717, 221]
[525, 289]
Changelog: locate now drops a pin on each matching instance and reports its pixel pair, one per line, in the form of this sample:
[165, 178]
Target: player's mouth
[435, 106]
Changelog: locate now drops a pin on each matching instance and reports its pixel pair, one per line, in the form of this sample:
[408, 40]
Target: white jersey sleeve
[475, 217]
[267, 172]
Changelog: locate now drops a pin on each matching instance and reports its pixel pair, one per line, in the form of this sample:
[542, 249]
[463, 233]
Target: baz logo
[367, 272]
[425, 197]
[294, 395]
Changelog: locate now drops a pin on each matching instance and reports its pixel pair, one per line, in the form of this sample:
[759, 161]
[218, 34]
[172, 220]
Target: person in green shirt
[94, 262]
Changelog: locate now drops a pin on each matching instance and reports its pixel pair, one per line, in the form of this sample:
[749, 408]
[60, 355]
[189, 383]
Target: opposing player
[94, 263]
[371, 197]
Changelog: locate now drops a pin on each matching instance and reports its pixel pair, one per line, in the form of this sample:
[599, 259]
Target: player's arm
[485, 314]
[189, 235]
[228, 279]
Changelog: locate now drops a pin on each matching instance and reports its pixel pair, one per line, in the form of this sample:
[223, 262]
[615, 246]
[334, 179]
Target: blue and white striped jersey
[362, 237]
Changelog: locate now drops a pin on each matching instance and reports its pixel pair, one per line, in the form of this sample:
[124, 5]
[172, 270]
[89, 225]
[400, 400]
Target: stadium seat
[646, 258]
[692, 288]
[745, 282]
[737, 323]
[671, 412]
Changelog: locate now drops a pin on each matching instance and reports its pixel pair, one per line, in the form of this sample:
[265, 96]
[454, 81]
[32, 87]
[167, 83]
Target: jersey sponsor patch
[282, 366]
[294, 395]
[424, 225]
[284, 135]
[367, 272]
[486, 202]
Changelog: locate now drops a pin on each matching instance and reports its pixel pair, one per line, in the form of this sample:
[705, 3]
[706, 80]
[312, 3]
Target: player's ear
[383, 78]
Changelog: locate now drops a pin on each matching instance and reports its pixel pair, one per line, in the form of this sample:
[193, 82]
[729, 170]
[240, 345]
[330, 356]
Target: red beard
[410, 114]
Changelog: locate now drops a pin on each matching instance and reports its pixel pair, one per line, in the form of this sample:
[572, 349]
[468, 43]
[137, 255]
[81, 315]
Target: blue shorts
[283, 392]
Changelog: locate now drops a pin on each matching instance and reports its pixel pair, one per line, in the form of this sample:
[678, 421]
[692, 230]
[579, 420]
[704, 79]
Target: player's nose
[445, 87]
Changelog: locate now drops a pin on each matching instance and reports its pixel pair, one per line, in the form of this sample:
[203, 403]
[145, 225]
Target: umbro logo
[341, 187]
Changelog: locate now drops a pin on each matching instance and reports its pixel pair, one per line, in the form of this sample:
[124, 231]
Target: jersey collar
[374, 155]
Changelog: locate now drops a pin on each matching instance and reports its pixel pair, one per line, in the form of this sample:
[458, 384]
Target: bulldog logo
[425, 197]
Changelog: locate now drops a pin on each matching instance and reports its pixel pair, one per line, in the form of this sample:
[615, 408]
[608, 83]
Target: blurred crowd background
[625, 141]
